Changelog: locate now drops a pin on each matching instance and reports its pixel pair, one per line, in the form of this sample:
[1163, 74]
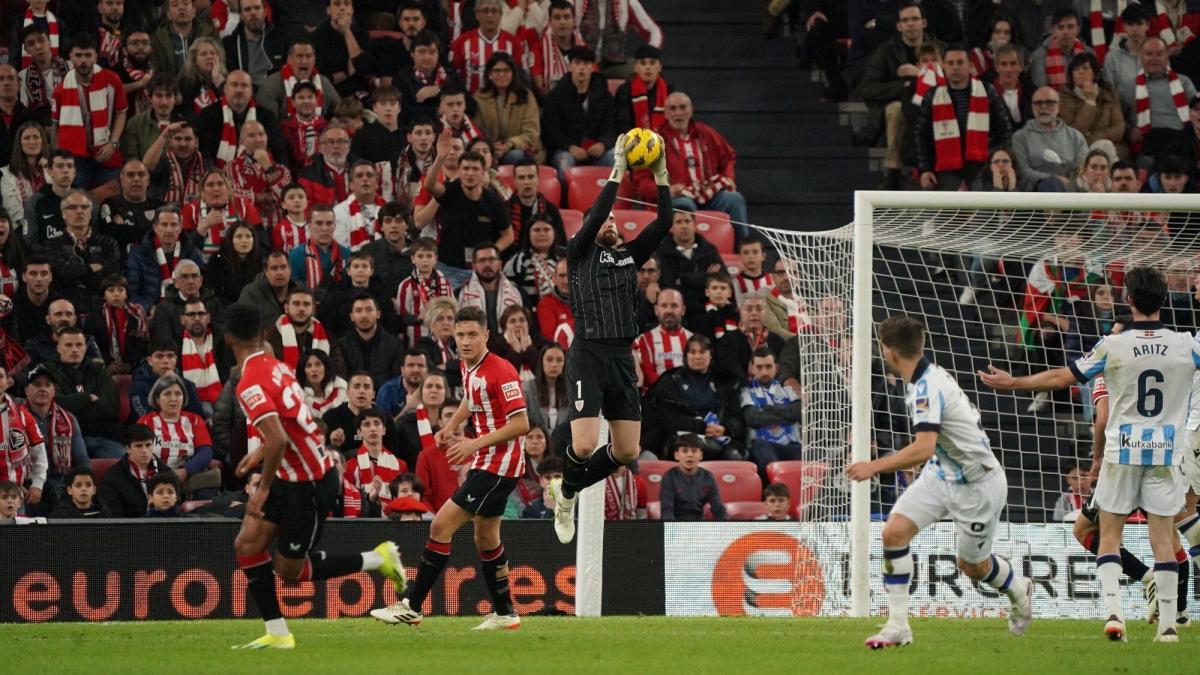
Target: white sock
[1108, 568]
[897, 573]
[278, 628]
[1166, 577]
[371, 561]
[1190, 529]
[1003, 578]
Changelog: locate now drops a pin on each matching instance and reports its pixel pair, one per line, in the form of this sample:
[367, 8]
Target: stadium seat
[745, 510]
[584, 184]
[738, 481]
[651, 471]
[124, 407]
[715, 227]
[803, 480]
[548, 183]
[733, 263]
[631, 223]
[572, 221]
[101, 466]
[193, 504]
[614, 85]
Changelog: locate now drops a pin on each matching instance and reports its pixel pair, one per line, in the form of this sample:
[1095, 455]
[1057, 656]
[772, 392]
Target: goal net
[1025, 282]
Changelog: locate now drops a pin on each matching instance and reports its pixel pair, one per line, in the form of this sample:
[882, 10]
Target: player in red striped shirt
[298, 488]
[496, 405]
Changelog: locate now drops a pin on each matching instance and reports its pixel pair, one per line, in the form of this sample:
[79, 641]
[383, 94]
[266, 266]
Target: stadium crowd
[358, 170]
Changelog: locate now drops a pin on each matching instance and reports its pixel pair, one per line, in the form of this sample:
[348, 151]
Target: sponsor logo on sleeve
[253, 396]
[511, 390]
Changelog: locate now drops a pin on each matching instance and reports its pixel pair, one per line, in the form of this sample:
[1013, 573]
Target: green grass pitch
[607, 645]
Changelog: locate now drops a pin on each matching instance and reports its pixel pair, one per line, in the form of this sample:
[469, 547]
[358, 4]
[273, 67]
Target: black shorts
[300, 509]
[601, 378]
[484, 493]
[1092, 512]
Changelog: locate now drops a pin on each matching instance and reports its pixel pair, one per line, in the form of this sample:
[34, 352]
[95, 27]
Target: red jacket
[552, 313]
[322, 185]
[719, 158]
[439, 479]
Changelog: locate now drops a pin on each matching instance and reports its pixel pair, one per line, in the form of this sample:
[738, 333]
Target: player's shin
[1181, 560]
[433, 561]
[1002, 577]
[1190, 529]
[1166, 578]
[495, 575]
[320, 565]
[1132, 565]
[260, 583]
[1108, 569]
[602, 464]
[897, 574]
[575, 474]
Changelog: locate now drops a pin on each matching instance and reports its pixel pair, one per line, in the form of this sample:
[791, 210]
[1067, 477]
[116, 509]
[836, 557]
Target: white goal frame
[865, 203]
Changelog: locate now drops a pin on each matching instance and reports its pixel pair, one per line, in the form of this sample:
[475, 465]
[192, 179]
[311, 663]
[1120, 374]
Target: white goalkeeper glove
[620, 162]
[659, 168]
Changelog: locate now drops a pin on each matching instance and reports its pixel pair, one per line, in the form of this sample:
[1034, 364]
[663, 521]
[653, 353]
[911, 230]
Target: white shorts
[1191, 460]
[974, 507]
[1157, 490]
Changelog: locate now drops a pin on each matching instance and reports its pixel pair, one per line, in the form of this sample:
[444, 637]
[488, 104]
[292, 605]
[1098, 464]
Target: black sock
[575, 474]
[1185, 571]
[321, 565]
[433, 561]
[1133, 567]
[260, 582]
[601, 465]
[493, 562]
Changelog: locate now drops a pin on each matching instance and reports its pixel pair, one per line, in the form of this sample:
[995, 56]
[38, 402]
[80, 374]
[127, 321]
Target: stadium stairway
[795, 164]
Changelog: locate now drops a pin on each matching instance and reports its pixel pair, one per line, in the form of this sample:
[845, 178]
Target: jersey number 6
[1150, 400]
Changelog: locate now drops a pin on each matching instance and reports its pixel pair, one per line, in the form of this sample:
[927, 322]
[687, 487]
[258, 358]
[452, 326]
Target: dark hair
[169, 207]
[321, 356]
[471, 314]
[361, 254]
[720, 276]
[34, 29]
[113, 280]
[363, 295]
[298, 40]
[7, 487]
[254, 261]
[776, 490]
[903, 334]
[306, 85]
[908, 4]
[751, 239]
[1135, 13]
[410, 478]
[560, 4]
[296, 290]
[417, 351]
[243, 321]
[164, 478]
[686, 441]
[517, 88]
[1122, 165]
[1123, 318]
[38, 258]
[370, 413]
[76, 472]
[471, 156]
[393, 210]
[386, 93]
[162, 82]
[426, 38]
[450, 90]
[59, 153]
[423, 244]
[699, 339]
[1170, 164]
[551, 464]
[512, 310]
[1064, 12]
[1085, 58]
[956, 47]
[138, 433]
[162, 345]
[560, 384]
[423, 121]
[70, 330]
[484, 246]
[1146, 289]
[17, 163]
[84, 40]
[581, 53]
[762, 353]
[525, 160]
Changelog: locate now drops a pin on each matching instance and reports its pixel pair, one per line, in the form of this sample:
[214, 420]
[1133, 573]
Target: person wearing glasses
[326, 179]
[82, 257]
[203, 354]
[1049, 152]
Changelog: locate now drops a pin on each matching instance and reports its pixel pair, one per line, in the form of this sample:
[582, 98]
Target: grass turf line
[569, 645]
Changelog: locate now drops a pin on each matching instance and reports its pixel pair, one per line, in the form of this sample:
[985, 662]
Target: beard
[607, 239]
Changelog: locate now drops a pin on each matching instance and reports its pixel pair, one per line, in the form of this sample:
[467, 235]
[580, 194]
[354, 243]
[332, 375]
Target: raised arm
[647, 242]
[586, 235]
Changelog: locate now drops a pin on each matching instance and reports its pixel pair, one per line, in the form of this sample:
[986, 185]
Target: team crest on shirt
[253, 396]
[921, 400]
[17, 440]
[511, 390]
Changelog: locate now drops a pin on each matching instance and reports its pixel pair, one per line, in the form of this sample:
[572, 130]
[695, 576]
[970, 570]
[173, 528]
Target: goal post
[1009, 278]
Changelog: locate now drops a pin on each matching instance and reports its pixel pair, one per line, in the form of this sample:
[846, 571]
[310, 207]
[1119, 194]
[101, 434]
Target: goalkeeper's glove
[620, 162]
[661, 177]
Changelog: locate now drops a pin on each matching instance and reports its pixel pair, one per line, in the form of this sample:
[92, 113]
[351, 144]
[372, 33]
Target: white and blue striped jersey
[936, 403]
[1149, 371]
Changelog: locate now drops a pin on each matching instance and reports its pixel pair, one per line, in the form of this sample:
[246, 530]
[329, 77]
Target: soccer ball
[642, 148]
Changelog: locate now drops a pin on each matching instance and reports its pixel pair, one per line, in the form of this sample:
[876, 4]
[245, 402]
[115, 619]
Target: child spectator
[119, 328]
[81, 490]
[1079, 488]
[162, 360]
[302, 129]
[779, 502]
[10, 502]
[552, 467]
[292, 229]
[624, 496]
[720, 314]
[348, 114]
[124, 488]
[753, 276]
[687, 488]
[434, 471]
[408, 486]
[425, 284]
[22, 449]
[405, 509]
[163, 496]
[772, 411]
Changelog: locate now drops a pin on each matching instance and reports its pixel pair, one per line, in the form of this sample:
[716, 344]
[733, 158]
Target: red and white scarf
[8, 280]
[647, 114]
[930, 77]
[62, 433]
[52, 29]
[288, 234]
[291, 345]
[205, 97]
[362, 232]
[1096, 24]
[1161, 25]
[72, 131]
[469, 131]
[947, 136]
[1056, 64]
[620, 496]
[798, 319]
[165, 269]
[425, 429]
[110, 46]
[142, 476]
[227, 150]
[199, 361]
[333, 396]
[121, 323]
[314, 272]
[437, 79]
[1141, 94]
[982, 62]
[184, 186]
[351, 500]
[15, 463]
[387, 466]
[719, 329]
[703, 188]
[290, 81]
[554, 63]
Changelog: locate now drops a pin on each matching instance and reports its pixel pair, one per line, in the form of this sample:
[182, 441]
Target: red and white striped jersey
[22, 447]
[267, 388]
[470, 52]
[744, 284]
[413, 296]
[494, 394]
[660, 350]
[177, 441]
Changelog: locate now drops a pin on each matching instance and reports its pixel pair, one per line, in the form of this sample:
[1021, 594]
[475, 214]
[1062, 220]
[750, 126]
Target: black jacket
[391, 266]
[8, 130]
[334, 311]
[732, 352]
[66, 509]
[74, 276]
[408, 85]
[210, 121]
[165, 325]
[333, 58]
[667, 412]
[689, 276]
[121, 495]
[76, 384]
[999, 128]
[97, 330]
[274, 44]
[382, 356]
[341, 417]
[566, 121]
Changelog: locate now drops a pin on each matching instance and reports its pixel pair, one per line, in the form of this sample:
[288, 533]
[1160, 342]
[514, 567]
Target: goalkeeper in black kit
[600, 371]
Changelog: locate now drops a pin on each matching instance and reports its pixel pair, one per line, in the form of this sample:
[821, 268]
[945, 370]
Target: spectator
[228, 429]
[887, 83]
[736, 348]
[779, 502]
[368, 347]
[132, 64]
[256, 179]
[474, 48]
[303, 128]
[181, 437]
[42, 70]
[785, 315]
[110, 25]
[203, 75]
[1170, 176]
[1094, 177]
[326, 178]
[292, 229]
[381, 141]
[555, 318]
[162, 496]
[43, 211]
[825, 26]
[537, 451]
[752, 277]
[605, 25]
[1001, 174]
[323, 389]
[550, 54]
[871, 23]
[687, 258]
[170, 41]
[958, 152]
[1122, 64]
[1079, 489]
[438, 339]
[515, 343]
[32, 300]
[413, 17]
[256, 46]
[720, 314]
[129, 216]
[357, 217]
[1013, 86]
[43, 347]
[278, 90]
[176, 173]
[1157, 104]
[687, 488]
[296, 331]
[577, 122]
[12, 497]
[1048, 149]
[81, 499]
[321, 261]
[1048, 65]
[662, 348]
[695, 398]
[402, 393]
[342, 47]
[708, 182]
[1186, 143]
[439, 478]
[65, 449]
[236, 264]
[407, 509]
[269, 290]
[162, 360]
[642, 100]
[491, 175]
[360, 278]
[232, 504]
[415, 425]
[86, 390]
[543, 507]
[487, 288]
[508, 112]
[187, 283]
[1031, 19]
[123, 489]
[372, 468]
[772, 412]
[341, 421]
[983, 58]
[1091, 105]
[421, 88]
[219, 126]
[204, 356]
[23, 175]
[416, 158]
[547, 389]
[648, 290]
[23, 456]
[415, 292]
[82, 256]
[527, 203]
[532, 269]
[118, 326]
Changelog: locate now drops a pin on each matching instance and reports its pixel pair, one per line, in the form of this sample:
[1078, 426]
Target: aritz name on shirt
[607, 257]
[1150, 350]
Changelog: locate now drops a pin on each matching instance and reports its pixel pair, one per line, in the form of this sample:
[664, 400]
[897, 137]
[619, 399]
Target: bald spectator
[83, 257]
[255, 46]
[236, 105]
[710, 183]
[1048, 148]
[1164, 92]
[275, 93]
[187, 283]
[326, 179]
[43, 347]
[662, 348]
[128, 216]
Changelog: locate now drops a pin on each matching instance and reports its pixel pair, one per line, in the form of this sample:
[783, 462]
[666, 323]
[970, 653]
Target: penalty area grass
[604, 645]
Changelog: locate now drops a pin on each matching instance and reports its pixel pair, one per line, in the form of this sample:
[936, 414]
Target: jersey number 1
[1150, 399]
